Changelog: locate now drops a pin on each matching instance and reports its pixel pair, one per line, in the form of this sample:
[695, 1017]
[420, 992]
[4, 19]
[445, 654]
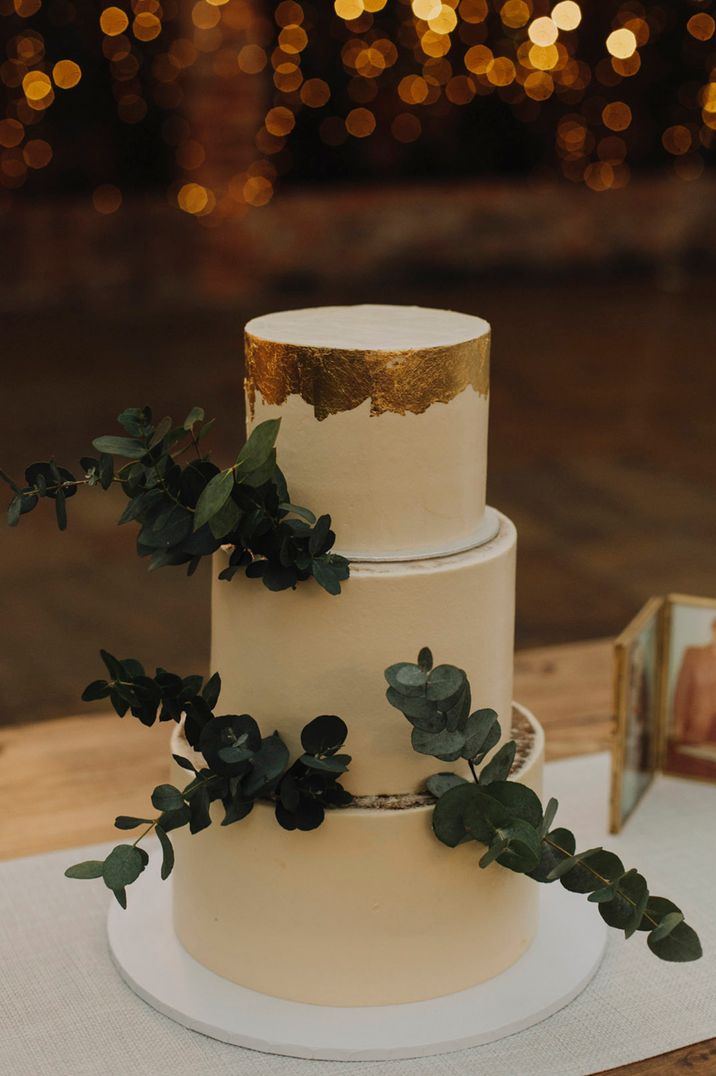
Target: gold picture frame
[638, 710]
[664, 698]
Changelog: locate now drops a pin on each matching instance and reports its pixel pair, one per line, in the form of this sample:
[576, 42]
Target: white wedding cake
[384, 414]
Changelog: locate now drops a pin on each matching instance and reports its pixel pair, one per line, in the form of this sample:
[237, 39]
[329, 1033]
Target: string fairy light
[358, 73]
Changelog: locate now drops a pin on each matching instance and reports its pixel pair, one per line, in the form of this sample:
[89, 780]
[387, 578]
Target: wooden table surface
[63, 781]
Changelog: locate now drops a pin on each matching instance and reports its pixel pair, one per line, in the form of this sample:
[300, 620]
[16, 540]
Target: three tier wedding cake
[384, 414]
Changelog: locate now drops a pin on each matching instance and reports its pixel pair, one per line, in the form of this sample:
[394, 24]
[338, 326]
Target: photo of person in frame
[690, 744]
[637, 705]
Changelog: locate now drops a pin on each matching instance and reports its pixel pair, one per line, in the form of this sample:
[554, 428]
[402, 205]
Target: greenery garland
[187, 511]
[508, 819]
[241, 767]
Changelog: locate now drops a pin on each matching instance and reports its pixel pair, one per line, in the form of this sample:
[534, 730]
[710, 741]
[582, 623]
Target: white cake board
[563, 958]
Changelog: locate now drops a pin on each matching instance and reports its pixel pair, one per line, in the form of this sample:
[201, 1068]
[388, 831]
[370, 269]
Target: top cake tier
[384, 421]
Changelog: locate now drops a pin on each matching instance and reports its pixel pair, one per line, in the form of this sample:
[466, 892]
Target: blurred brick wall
[64, 252]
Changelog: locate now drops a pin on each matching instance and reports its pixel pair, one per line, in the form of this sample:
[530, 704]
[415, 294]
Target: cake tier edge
[368, 909]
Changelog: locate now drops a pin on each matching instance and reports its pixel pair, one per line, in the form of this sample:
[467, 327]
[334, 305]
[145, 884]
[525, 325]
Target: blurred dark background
[168, 170]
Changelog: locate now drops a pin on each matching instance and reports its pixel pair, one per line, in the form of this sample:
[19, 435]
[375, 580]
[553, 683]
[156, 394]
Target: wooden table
[62, 782]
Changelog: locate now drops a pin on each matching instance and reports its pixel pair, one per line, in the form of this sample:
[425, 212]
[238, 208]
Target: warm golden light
[106, 198]
[280, 121]
[426, 9]
[616, 116]
[515, 13]
[37, 153]
[566, 15]
[460, 90]
[258, 190]
[501, 71]
[412, 89]
[204, 16]
[36, 85]
[621, 43]
[474, 11]
[293, 39]
[360, 122]
[66, 74]
[288, 13]
[543, 31]
[444, 22]
[349, 9]
[146, 26]
[11, 133]
[478, 59]
[544, 57]
[193, 198]
[701, 26]
[599, 176]
[252, 59]
[315, 93]
[676, 140]
[113, 21]
[538, 85]
[27, 8]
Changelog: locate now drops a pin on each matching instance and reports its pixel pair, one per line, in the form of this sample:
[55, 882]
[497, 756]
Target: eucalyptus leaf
[439, 783]
[406, 678]
[324, 735]
[124, 821]
[680, 944]
[258, 447]
[213, 497]
[446, 746]
[195, 415]
[445, 682]
[122, 866]
[500, 765]
[418, 709]
[448, 819]
[167, 798]
[167, 852]
[130, 448]
[89, 868]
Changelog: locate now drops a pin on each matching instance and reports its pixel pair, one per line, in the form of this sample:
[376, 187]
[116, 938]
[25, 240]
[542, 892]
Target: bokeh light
[621, 43]
[374, 76]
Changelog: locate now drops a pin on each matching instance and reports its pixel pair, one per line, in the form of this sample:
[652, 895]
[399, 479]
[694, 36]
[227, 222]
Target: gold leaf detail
[333, 380]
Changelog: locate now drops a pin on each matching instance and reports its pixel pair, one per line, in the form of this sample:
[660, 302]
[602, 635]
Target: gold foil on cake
[334, 380]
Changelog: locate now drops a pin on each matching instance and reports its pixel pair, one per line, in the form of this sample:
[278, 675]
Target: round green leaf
[167, 798]
[324, 735]
[406, 678]
[681, 944]
[439, 783]
[449, 814]
[445, 682]
[519, 800]
[122, 866]
[90, 868]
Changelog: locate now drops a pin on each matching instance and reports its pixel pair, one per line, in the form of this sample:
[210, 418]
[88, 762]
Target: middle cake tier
[286, 657]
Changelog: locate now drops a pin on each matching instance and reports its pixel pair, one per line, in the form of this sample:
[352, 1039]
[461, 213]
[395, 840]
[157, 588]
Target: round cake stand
[558, 965]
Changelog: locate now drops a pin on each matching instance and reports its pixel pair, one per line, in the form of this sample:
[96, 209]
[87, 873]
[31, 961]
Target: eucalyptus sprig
[186, 511]
[240, 766]
[508, 819]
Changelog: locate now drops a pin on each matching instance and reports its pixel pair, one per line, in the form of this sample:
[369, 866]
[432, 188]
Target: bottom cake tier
[368, 909]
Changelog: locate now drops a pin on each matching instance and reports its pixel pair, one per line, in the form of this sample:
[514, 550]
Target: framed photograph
[638, 705]
[688, 743]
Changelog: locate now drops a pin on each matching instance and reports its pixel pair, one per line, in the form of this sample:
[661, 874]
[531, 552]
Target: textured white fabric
[65, 1011]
